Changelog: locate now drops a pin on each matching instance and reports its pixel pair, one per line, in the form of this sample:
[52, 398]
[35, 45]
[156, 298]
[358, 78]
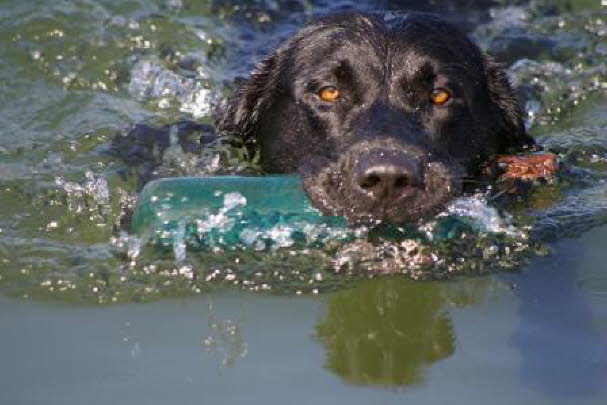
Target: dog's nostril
[401, 182]
[370, 181]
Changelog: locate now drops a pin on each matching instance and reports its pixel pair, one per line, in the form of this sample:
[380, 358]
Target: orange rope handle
[529, 167]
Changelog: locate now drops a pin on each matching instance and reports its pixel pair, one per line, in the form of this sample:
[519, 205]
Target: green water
[533, 338]
[510, 326]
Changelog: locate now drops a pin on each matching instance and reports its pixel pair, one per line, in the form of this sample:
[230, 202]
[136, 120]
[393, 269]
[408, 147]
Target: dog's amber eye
[329, 93]
[440, 96]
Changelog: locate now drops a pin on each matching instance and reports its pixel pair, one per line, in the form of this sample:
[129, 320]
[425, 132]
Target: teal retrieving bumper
[256, 212]
[206, 212]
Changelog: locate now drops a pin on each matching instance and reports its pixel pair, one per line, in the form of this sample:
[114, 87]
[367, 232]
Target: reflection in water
[386, 331]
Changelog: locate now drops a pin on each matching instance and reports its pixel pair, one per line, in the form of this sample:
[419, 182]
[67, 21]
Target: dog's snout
[386, 176]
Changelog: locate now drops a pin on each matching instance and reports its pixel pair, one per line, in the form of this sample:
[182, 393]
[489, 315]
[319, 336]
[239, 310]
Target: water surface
[75, 310]
[536, 337]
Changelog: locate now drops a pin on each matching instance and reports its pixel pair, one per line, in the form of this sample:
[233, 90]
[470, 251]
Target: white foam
[485, 217]
[151, 80]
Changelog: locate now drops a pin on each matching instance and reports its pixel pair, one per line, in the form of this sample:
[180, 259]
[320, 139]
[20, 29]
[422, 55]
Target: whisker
[493, 197]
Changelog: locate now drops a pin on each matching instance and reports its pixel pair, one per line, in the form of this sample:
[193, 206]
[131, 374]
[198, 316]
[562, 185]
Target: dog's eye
[440, 96]
[329, 93]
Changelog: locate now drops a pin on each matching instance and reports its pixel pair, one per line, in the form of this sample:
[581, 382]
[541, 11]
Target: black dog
[384, 117]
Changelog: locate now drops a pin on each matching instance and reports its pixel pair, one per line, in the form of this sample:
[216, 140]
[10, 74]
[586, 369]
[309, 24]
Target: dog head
[384, 118]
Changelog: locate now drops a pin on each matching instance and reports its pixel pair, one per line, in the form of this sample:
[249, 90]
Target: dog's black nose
[388, 176]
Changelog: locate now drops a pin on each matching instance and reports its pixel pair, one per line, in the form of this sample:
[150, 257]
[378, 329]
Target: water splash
[481, 215]
[93, 194]
[151, 81]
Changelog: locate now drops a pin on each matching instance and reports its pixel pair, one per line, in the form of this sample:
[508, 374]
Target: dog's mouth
[334, 190]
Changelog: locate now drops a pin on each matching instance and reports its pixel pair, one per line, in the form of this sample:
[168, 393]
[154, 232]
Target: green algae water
[68, 92]
[515, 312]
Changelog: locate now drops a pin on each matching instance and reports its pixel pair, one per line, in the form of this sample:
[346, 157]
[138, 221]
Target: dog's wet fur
[382, 151]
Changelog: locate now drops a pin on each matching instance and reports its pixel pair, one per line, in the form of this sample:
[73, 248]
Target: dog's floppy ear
[502, 94]
[253, 97]
[249, 99]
